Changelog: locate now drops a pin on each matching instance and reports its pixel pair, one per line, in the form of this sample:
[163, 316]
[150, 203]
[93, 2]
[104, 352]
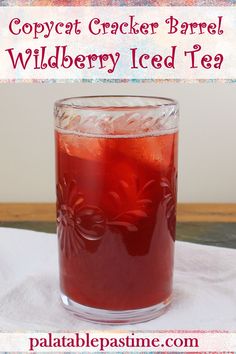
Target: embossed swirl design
[79, 222]
[169, 189]
[116, 122]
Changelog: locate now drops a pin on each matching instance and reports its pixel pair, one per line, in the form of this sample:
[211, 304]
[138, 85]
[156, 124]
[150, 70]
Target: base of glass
[96, 315]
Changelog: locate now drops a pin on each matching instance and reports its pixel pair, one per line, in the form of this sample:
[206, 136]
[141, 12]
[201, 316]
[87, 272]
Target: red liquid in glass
[116, 205]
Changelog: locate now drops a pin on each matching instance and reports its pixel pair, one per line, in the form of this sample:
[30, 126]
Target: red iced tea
[116, 206]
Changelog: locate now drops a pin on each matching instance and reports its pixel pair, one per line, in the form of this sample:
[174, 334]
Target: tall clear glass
[116, 171]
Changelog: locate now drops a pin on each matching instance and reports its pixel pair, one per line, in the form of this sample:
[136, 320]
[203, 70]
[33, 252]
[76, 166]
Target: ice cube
[88, 148]
[155, 151]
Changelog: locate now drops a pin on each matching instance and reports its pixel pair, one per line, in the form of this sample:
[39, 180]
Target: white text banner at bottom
[113, 341]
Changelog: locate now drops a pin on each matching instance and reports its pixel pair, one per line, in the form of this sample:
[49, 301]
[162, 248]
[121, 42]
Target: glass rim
[158, 102]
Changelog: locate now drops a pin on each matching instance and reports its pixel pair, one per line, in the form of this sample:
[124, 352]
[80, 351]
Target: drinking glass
[116, 172]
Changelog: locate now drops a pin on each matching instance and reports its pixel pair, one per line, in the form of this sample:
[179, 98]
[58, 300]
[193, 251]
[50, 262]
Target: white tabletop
[204, 287]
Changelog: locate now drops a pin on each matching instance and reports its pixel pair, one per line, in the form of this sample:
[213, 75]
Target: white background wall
[207, 151]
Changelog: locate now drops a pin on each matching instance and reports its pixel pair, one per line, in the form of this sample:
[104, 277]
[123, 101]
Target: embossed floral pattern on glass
[78, 221]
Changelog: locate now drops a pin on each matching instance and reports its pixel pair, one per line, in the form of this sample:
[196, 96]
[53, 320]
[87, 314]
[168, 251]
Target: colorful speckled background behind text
[117, 3]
